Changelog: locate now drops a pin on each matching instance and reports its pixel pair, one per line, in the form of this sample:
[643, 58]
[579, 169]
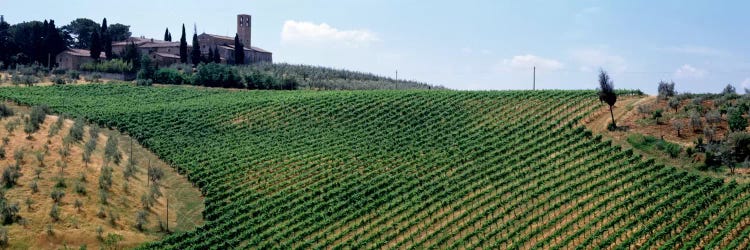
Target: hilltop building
[167, 53]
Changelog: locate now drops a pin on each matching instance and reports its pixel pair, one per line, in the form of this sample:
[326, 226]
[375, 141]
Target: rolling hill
[408, 169]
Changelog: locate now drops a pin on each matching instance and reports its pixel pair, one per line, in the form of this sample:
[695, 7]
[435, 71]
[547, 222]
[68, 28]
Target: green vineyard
[409, 169]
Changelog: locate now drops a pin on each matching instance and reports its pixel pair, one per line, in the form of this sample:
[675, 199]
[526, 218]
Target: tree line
[41, 41]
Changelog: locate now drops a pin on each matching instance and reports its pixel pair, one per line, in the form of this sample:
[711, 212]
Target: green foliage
[657, 114]
[76, 131]
[57, 195]
[10, 176]
[105, 178]
[649, 143]
[8, 212]
[169, 76]
[736, 121]
[666, 90]
[218, 75]
[141, 219]
[74, 75]
[54, 212]
[109, 66]
[111, 151]
[315, 77]
[5, 111]
[147, 68]
[335, 166]
[111, 241]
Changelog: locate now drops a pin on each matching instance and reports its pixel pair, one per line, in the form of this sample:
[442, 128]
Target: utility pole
[396, 74]
[533, 87]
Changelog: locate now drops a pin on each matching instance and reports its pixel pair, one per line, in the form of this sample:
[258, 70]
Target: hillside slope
[409, 169]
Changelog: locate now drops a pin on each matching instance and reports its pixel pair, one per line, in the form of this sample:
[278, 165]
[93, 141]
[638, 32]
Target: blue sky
[701, 45]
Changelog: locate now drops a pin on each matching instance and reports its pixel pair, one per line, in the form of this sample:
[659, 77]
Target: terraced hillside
[409, 169]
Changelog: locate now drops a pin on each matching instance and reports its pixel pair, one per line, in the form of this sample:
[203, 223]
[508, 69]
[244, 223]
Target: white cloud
[593, 59]
[467, 50]
[696, 50]
[526, 62]
[746, 83]
[295, 32]
[688, 71]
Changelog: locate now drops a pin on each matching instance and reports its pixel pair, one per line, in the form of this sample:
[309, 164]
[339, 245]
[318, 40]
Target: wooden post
[167, 198]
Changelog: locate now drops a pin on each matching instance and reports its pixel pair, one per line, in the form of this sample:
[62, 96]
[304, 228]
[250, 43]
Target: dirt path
[599, 120]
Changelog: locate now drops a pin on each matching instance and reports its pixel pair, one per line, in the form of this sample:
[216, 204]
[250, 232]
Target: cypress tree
[183, 46]
[239, 51]
[167, 36]
[217, 57]
[96, 45]
[53, 41]
[210, 55]
[106, 40]
[195, 55]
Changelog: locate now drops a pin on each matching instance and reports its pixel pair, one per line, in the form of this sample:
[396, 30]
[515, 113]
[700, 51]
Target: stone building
[73, 58]
[165, 53]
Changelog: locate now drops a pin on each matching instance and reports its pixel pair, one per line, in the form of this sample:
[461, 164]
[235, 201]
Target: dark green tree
[106, 40]
[53, 41]
[607, 93]
[29, 38]
[217, 57]
[167, 36]
[239, 51]
[195, 54]
[119, 32]
[96, 45]
[131, 54]
[81, 30]
[210, 57]
[183, 46]
[7, 46]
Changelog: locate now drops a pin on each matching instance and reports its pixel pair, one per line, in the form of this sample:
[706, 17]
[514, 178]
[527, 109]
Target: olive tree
[666, 89]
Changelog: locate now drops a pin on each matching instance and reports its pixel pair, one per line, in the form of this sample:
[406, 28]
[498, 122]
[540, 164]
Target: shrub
[76, 132]
[80, 188]
[108, 66]
[645, 109]
[58, 80]
[10, 176]
[54, 212]
[657, 114]
[74, 75]
[59, 71]
[217, 75]
[5, 111]
[168, 76]
[736, 121]
[57, 195]
[105, 178]
[111, 152]
[143, 82]
[141, 218]
[34, 187]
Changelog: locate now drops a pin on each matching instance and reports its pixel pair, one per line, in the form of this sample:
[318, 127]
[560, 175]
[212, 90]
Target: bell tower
[244, 29]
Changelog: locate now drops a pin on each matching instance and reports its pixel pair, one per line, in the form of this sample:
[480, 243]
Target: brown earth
[630, 121]
[79, 227]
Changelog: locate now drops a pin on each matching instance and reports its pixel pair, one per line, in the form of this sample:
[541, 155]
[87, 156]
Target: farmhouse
[166, 53]
[73, 58]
